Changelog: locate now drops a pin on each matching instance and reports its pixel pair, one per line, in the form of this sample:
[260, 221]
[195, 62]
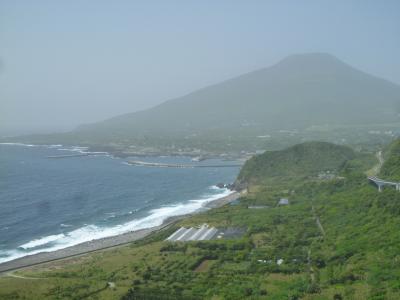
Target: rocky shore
[104, 243]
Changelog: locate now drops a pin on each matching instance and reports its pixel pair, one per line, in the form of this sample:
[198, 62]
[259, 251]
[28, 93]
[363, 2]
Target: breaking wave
[91, 232]
[59, 147]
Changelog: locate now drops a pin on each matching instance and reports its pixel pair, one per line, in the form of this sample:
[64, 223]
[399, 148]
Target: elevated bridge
[380, 183]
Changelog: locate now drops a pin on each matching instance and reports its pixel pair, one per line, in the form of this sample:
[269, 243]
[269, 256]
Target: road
[376, 169]
[317, 220]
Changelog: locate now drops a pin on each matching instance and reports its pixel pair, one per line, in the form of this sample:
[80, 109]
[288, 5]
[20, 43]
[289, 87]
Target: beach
[105, 243]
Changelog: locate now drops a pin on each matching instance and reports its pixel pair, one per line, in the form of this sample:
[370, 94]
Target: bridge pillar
[398, 187]
[380, 187]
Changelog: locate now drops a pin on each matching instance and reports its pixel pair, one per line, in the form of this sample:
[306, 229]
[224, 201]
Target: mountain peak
[309, 57]
[311, 60]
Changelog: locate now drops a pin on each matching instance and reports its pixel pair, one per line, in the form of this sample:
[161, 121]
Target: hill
[337, 239]
[299, 92]
[302, 160]
[391, 167]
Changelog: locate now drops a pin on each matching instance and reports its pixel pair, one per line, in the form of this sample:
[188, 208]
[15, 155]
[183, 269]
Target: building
[283, 201]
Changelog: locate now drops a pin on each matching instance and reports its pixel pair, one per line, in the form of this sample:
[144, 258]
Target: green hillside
[302, 160]
[391, 167]
[337, 239]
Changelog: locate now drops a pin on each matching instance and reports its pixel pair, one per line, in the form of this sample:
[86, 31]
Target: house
[283, 201]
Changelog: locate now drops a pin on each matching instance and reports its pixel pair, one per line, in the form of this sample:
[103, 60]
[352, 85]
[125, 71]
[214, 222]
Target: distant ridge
[298, 92]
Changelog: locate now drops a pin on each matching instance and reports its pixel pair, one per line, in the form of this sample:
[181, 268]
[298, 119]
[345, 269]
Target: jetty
[165, 165]
[68, 155]
[78, 154]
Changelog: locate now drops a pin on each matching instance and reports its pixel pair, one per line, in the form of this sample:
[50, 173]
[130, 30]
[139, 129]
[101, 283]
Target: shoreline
[108, 242]
[124, 152]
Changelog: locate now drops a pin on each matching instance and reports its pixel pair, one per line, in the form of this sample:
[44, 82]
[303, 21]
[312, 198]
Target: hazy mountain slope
[296, 93]
[299, 91]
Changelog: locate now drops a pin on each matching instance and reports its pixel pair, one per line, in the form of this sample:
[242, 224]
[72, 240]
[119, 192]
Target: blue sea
[48, 204]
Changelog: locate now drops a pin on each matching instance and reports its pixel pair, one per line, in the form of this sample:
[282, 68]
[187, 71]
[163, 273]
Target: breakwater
[68, 155]
[165, 165]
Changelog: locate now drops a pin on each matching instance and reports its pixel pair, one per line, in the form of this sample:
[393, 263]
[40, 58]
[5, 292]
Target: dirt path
[310, 267]
[317, 220]
[11, 274]
[376, 169]
[309, 259]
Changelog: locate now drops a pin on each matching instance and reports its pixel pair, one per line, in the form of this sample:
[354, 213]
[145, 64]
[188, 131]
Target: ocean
[48, 204]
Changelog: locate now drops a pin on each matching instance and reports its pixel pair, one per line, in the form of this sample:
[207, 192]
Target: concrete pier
[161, 165]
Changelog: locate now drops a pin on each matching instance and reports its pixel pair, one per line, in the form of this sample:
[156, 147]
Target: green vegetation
[391, 166]
[300, 161]
[338, 239]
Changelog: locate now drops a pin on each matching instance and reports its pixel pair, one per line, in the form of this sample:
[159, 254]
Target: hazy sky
[63, 63]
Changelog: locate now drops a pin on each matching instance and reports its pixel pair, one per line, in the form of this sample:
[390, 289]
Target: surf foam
[41, 241]
[59, 147]
[93, 232]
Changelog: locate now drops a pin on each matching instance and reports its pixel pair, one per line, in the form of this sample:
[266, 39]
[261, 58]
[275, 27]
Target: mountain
[306, 159]
[337, 238]
[298, 92]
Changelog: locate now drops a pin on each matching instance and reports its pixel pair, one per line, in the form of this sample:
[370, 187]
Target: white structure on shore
[193, 234]
[283, 201]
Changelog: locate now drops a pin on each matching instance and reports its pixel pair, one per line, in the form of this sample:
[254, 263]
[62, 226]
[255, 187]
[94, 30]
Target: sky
[65, 63]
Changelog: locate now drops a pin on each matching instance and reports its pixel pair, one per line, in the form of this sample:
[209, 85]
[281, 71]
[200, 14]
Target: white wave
[83, 150]
[42, 241]
[215, 188]
[59, 147]
[65, 225]
[79, 149]
[98, 152]
[19, 144]
[32, 145]
[92, 232]
[110, 215]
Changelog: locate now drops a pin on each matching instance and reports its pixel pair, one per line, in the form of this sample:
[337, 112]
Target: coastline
[105, 243]
[124, 152]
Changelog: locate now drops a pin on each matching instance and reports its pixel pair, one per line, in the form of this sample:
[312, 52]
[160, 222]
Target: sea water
[48, 204]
